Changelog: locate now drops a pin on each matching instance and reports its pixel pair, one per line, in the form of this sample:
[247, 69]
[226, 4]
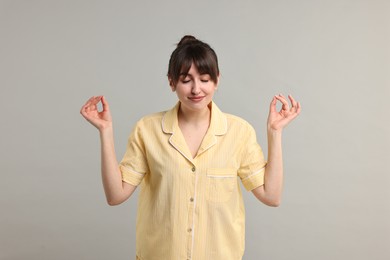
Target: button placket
[190, 231]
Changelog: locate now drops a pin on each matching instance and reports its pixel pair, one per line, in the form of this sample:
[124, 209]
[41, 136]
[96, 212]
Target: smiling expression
[195, 91]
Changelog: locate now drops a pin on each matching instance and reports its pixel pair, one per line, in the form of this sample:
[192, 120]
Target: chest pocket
[221, 183]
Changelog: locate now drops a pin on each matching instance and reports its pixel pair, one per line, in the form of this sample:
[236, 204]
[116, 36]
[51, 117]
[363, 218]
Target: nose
[195, 90]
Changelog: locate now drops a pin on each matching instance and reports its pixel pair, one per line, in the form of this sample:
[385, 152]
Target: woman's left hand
[277, 120]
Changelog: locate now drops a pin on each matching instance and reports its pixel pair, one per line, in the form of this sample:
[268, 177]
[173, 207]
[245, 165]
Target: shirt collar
[218, 122]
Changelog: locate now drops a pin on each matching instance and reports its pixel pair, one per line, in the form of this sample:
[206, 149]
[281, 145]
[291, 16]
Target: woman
[187, 161]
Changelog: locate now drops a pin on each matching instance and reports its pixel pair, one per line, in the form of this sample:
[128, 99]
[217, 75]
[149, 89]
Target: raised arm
[270, 193]
[115, 189]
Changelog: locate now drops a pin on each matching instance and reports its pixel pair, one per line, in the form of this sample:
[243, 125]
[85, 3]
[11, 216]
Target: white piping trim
[131, 170]
[215, 141]
[219, 176]
[170, 141]
[226, 126]
[255, 173]
[193, 216]
[163, 124]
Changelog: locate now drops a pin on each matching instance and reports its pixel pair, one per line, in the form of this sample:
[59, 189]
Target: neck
[194, 117]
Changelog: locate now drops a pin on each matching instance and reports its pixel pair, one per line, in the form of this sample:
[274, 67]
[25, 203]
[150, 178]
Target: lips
[196, 98]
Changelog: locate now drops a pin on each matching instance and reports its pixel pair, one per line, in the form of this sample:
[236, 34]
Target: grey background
[333, 56]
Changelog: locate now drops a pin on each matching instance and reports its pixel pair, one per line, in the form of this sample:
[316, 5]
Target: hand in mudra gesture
[99, 119]
[277, 120]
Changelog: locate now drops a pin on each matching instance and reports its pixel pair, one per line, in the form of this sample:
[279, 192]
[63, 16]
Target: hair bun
[187, 39]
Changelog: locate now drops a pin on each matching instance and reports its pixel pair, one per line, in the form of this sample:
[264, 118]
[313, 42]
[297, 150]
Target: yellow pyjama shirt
[191, 208]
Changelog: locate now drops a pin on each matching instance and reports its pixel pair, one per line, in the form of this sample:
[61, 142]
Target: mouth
[196, 99]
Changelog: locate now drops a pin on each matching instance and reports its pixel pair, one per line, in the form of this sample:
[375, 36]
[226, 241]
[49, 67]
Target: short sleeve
[252, 167]
[134, 165]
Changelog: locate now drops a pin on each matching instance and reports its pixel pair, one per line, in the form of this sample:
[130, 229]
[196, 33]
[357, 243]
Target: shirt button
[189, 230]
[192, 199]
[193, 169]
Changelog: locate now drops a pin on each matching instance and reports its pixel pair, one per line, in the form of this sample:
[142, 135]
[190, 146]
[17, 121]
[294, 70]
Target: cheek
[211, 88]
[180, 91]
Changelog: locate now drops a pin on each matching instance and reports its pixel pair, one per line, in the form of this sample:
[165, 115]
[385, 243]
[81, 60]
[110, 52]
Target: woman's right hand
[101, 120]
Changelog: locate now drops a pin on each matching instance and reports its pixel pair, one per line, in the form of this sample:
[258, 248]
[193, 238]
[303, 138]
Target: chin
[197, 105]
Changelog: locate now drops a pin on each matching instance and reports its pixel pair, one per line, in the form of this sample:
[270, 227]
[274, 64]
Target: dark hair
[191, 50]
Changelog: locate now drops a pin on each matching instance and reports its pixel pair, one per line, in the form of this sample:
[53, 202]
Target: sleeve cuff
[254, 180]
[130, 176]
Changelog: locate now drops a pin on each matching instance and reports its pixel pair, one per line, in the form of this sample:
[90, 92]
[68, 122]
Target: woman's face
[195, 91]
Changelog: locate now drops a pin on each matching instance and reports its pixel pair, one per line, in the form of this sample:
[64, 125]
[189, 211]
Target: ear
[216, 85]
[173, 88]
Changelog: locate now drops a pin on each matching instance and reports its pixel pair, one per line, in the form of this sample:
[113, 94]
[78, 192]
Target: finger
[88, 102]
[284, 102]
[105, 104]
[292, 100]
[84, 107]
[298, 107]
[281, 97]
[91, 108]
[96, 100]
[272, 105]
[293, 103]
[90, 105]
[84, 112]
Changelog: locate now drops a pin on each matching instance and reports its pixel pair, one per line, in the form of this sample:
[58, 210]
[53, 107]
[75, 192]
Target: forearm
[271, 192]
[273, 178]
[111, 175]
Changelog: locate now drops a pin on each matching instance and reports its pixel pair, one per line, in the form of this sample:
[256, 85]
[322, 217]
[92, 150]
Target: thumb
[105, 104]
